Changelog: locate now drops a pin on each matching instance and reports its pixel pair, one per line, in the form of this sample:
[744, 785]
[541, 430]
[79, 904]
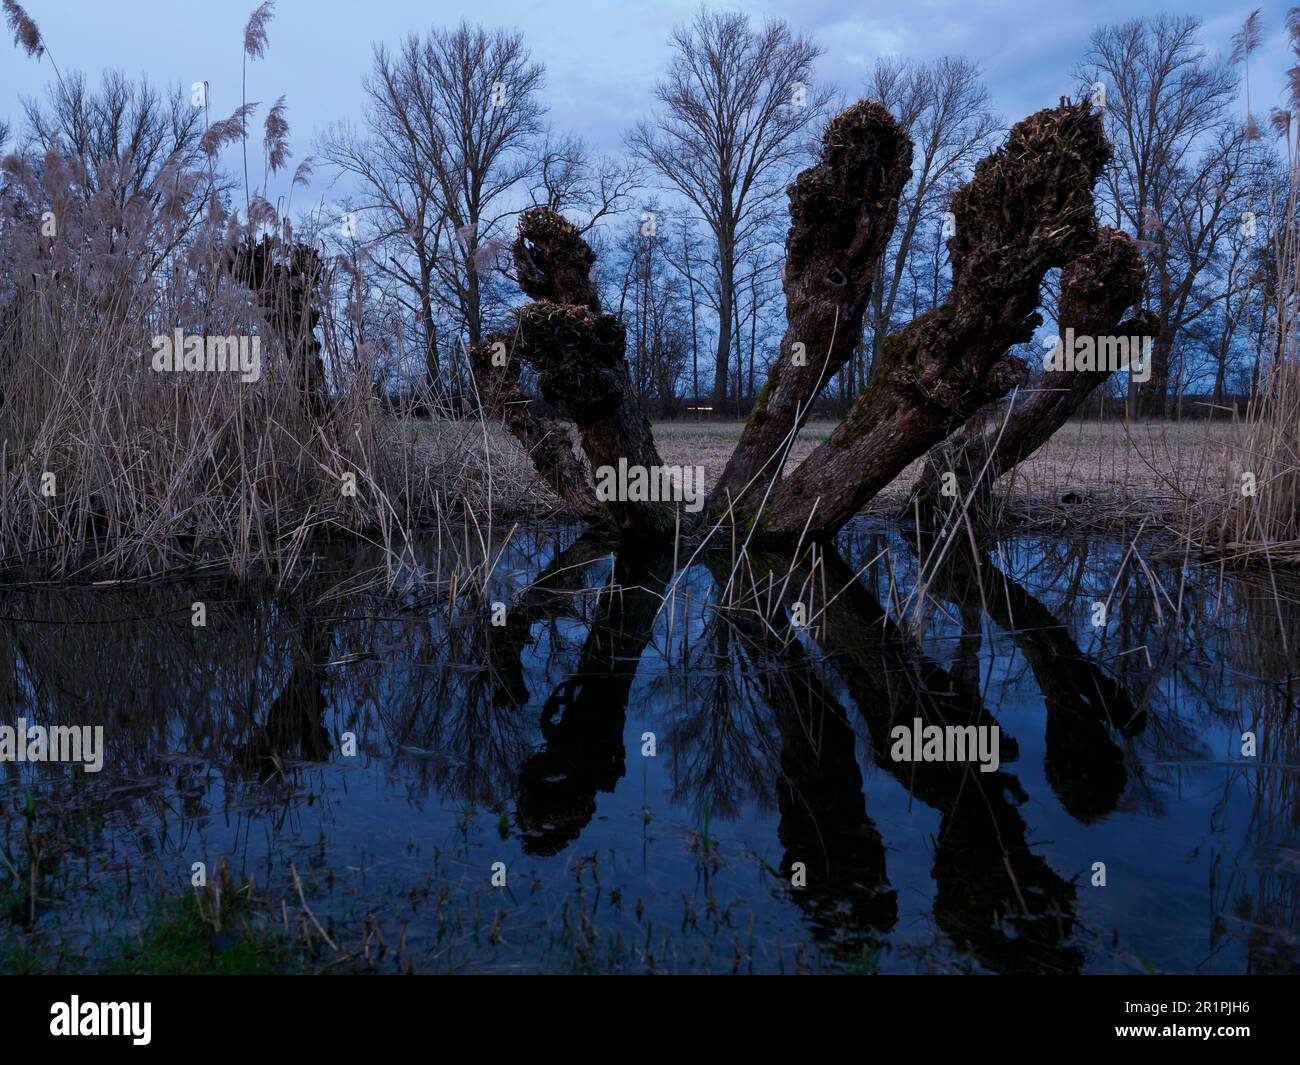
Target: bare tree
[1168, 115]
[737, 106]
[450, 122]
[1096, 289]
[402, 240]
[1027, 209]
[687, 262]
[125, 132]
[653, 303]
[943, 107]
[567, 178]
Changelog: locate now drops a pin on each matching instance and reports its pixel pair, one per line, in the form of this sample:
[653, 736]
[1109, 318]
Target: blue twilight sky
[602, 58]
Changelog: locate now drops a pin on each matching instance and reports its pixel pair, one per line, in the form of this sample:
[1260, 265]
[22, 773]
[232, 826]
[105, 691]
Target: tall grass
[1269, 519]
[111, 468]
[1260, 518]
[104, 459]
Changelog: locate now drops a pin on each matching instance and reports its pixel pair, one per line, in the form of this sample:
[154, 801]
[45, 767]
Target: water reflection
[770, 825]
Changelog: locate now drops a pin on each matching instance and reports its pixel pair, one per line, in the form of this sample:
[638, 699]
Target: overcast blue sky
[602, 58]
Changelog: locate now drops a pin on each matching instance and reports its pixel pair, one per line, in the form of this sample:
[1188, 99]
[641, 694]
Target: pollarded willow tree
[1027, 209]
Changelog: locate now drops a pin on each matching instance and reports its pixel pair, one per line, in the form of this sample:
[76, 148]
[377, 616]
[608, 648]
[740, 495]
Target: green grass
[178, 941]
[175, 941]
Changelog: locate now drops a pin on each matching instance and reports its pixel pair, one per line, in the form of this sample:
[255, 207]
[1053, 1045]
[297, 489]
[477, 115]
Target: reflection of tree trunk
[1085, 767]
[995, 897]
[966, 663]
[547, 597]
[294, 725]
[582, 720]
[824, 822]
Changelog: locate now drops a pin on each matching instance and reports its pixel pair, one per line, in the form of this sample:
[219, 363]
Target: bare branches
[736, 108]
[567, 179]
[943, 107]
[128, 127]
[1170, 116]
[450, 120]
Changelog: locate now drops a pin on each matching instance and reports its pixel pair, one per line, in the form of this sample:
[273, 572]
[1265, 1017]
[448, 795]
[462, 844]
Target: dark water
[522, 744]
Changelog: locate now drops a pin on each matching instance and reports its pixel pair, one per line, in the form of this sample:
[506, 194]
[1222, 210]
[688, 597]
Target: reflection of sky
[1190, 834]
[602, 59]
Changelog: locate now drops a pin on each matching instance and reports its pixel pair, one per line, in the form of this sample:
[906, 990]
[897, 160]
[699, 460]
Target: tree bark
[842, 213]
[1153, 394]
[1029, 208]
[579, 356]
[285, 279]
[1096, 290]
[565, 279]
[722, 356]
[545, 439]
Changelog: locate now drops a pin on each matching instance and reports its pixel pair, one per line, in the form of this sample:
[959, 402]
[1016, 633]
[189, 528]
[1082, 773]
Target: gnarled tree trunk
[545, 439]
[1096, 290]
[285, 280]
[1028, 209]
[578, 354]
[842, 213]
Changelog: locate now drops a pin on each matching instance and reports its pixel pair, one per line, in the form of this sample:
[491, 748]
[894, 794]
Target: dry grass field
[1111, 464]
[1117, 468]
